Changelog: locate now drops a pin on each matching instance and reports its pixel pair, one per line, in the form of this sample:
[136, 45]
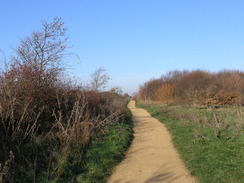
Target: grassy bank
[107, 150]
[210, 141]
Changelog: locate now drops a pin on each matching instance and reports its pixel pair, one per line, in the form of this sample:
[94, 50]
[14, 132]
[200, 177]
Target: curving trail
[152, 156]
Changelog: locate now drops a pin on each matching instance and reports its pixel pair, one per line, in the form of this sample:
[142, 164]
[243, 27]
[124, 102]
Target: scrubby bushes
[196, 88]
[52, 140]
[45, 124]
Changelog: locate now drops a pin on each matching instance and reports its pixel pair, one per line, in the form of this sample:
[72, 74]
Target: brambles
[5, 168]
[46, 123]
[54, 138]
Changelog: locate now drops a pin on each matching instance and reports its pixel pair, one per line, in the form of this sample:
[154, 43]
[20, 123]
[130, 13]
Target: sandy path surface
[152, 156]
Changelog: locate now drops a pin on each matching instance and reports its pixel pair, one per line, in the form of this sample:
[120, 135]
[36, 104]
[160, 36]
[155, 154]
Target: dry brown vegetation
[46, 124]
[195, 88]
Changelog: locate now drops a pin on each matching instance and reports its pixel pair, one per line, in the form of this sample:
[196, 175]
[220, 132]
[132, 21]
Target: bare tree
[38, 62]
[99, 79]
[44, 50]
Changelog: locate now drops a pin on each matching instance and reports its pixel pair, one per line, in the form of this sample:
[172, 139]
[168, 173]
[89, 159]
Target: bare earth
[152, 156]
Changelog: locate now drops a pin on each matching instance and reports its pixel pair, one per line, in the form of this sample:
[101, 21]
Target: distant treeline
[195, 88]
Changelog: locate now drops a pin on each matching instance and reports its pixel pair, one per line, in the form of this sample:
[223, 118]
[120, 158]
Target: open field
[210, 141]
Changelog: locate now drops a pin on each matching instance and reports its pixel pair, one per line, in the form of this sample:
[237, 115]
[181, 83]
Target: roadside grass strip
[107, 149]
[210, 141]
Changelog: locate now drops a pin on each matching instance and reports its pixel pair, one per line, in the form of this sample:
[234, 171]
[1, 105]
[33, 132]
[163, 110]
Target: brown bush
[225, 89]
[166, 93]
[192, 87]
[148, 90]
[195, 88]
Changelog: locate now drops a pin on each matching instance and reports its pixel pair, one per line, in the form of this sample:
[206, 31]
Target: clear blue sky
[136, 40]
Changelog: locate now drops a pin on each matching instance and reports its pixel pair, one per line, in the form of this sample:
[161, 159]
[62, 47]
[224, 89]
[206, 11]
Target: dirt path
[152, 156]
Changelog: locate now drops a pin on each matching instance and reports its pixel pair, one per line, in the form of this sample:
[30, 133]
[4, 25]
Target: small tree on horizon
[99, 79]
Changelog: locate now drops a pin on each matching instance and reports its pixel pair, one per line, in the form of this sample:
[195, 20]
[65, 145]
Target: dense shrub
[52, 137]
[196, 88]
[46, 124]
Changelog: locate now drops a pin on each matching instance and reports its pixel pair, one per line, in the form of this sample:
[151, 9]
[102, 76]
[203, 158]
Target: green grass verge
[106, 151]
[209, 141]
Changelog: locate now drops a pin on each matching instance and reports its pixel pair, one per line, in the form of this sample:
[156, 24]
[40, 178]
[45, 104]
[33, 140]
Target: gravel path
[152, 156]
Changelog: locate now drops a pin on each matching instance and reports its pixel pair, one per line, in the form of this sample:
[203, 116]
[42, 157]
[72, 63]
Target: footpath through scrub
[152, 156]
